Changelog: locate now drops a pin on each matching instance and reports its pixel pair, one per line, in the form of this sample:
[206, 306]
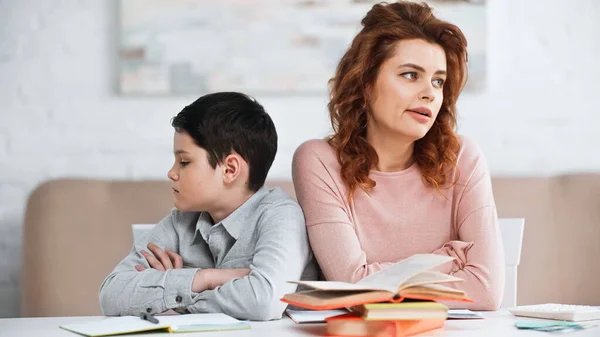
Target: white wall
[59, 115]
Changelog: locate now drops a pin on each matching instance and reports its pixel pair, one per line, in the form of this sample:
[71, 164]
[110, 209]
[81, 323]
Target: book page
[114, 326]
[325, 300]
[439, 288]
[463, 314]
[393, 277]
[196, 319]
[434, 291]
[312, 316]
[341, 286]
[132, 324]
[429, 277]
[203, 322]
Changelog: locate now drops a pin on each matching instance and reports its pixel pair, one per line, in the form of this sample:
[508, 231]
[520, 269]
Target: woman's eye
[410, 75]
[184, 163]
[438, 82]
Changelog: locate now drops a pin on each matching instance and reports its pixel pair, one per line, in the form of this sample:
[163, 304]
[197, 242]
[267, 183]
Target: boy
[231, 244]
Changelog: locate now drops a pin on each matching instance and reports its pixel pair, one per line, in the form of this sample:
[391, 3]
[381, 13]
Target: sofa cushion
[77, 230]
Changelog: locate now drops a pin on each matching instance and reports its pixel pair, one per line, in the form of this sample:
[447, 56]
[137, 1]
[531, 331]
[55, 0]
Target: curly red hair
[350, 89]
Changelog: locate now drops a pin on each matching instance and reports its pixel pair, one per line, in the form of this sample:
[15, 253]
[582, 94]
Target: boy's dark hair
[224, 122]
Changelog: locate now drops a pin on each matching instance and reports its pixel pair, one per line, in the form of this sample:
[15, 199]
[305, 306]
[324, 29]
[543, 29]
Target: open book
[410, 278]
[174, 323]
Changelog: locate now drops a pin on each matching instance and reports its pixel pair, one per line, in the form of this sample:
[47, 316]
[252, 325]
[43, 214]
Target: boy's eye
[410, 75]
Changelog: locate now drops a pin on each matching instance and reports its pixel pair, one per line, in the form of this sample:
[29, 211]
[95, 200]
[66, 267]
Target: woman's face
[408, 90]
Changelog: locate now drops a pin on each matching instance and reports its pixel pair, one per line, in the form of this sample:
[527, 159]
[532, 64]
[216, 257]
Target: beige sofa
[76, 231]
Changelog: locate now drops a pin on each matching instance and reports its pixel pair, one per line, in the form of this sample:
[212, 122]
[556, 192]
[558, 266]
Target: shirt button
[149, 310]
[178, 299]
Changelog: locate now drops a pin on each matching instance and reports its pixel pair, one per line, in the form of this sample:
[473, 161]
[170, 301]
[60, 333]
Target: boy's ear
[232, 167]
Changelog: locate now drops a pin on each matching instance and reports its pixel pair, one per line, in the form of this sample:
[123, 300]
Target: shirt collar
[236, 221]
[203, 225]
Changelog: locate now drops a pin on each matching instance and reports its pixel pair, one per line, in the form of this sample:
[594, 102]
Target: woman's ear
[232, 167]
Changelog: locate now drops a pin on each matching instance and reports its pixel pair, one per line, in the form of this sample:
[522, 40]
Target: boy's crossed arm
[154, 280]
[127, 291]
[157, 282]
[205, 279]
[280, 255]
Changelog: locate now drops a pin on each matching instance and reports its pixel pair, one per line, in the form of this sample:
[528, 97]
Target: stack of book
[401, 300]
[389, 319]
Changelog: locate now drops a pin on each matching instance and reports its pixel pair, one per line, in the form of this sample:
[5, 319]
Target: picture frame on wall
[179, 47]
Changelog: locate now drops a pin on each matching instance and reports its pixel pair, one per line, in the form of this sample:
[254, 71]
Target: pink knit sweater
[402, 216]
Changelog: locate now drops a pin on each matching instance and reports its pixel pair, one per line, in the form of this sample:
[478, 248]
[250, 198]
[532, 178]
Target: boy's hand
[162, 259]
[208, 279]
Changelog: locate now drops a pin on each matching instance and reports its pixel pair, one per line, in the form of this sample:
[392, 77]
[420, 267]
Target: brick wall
[60, 116]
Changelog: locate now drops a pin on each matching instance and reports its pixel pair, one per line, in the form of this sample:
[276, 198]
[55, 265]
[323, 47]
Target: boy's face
[196, 185]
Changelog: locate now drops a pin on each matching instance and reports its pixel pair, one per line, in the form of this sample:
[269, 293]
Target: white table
[499, 323]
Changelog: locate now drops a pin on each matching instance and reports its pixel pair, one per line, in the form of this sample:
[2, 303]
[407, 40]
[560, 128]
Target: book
[312, 316]
[410, 310]
[353, 324]
[173, 323]
[463, 314]
[411, 278]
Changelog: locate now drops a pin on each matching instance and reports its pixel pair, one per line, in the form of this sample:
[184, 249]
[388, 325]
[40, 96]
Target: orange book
[354, 325]
[411, 278]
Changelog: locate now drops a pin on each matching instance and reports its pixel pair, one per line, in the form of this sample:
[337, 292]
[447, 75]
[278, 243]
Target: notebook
[311, 316]
[175, 323]
[411, 278]
[319, 316]
[463, 314]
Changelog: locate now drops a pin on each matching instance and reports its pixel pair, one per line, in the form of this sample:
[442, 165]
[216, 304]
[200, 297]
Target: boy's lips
[174, 190]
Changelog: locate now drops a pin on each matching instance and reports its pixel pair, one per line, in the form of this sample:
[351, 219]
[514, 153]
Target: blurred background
[88, 87]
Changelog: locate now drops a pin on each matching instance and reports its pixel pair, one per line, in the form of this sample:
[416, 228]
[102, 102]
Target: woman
[394, 179]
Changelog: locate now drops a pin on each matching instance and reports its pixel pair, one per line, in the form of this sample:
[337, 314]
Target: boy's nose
[172, 175]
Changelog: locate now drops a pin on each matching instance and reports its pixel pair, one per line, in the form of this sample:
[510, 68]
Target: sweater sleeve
[330, 228]
[478, 252]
